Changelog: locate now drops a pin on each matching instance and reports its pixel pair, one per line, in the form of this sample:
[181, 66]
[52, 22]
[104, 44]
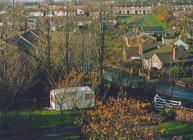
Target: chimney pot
[174, 54]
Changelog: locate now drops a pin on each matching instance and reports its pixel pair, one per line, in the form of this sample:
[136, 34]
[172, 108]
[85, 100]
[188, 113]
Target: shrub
[120, 118]
[188, 82]
[168, 113]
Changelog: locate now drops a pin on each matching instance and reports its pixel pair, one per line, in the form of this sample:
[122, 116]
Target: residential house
[167, 56]
[31, 6]
[79, 12]
[169, 39]
[182, 6]
[3, 12]
[36, 14]
[60, 13]
[180, 43]
[153, 54]
[137, 45]
[131, 10]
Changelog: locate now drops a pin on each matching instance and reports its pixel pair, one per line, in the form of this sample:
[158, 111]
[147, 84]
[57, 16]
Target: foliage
[31, 123]
[120, 118]
[16, 72]
[188, 82]
[168, 113]
[163, 12]
[174, 72]
[154, 72]
[77, 78]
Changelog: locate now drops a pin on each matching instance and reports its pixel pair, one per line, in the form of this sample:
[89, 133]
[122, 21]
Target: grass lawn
[25, 121]
[143, 20]
[54, 118]
[43, 118]
[151, 20]
[127, 19]
[174, 128]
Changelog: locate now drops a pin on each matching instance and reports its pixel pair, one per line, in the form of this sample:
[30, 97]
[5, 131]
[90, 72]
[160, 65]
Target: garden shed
[71, 98]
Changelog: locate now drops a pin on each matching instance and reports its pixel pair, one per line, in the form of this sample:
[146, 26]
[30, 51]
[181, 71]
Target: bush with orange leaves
[75, 78]
[120, 119]
[163, 12]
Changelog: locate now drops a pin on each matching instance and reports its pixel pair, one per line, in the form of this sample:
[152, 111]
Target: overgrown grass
[44, 118]
[54, 119]
[151, 20]
[143, 20]
[32, 123]
[126, 19]
[174, 128]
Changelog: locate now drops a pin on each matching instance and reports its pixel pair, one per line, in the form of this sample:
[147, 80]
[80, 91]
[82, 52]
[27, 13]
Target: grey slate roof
[182, 56]
[132, 51]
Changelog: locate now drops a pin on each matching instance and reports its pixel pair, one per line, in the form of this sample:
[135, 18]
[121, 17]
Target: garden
[114, 118]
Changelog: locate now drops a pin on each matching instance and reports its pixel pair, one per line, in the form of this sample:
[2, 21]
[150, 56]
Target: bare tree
[67, 38]
[18, 73]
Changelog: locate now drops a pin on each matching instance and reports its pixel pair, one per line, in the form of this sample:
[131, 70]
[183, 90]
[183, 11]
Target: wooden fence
[184, 114]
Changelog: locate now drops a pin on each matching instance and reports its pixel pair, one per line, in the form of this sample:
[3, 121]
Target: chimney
[130, 42]
[127, 42]
[140, 49]
[174, 54]
[140, 45]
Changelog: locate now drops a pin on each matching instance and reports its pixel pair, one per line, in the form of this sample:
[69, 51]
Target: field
[141, 20]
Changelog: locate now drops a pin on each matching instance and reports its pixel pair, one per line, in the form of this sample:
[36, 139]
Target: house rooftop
[132, 51]
[162, 49]
[181, 56]
[148, 46]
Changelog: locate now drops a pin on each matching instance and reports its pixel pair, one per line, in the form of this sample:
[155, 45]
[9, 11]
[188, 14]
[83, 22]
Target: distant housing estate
[155, 54]
[77, 11]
